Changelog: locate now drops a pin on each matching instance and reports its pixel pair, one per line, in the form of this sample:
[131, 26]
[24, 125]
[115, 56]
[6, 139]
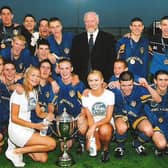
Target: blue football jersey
[158, 114]
[133, 106]
[69, 97]
[160, 54]
[61, 50]
[136, 54]
[22, 63]
[45, 96]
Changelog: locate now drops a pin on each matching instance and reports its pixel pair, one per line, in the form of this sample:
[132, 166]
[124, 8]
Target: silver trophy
[65, 125]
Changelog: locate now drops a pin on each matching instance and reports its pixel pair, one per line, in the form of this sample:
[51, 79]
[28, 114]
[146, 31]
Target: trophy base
[65, 161]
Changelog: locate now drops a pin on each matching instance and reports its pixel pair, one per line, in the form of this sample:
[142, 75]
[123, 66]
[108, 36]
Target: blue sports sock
[120, 139]
[141, 139]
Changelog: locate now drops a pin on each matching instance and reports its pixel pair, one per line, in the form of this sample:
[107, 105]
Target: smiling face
[162, 83]
[136, 28]
[119, 67]
[33, 77]
[7, 17]
[9, 72]
[65, 69]
[126, 87]
[164, 28]
[91, 21]
[44, 28]
[17, 46]
[29, 24]
[95, 80]
[43, 52]
[45, 70]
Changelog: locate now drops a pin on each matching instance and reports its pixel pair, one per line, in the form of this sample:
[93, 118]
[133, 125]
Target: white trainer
[12, 146]
[15, 158]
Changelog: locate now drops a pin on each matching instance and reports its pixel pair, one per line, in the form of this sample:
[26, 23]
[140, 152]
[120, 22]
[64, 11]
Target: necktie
[91, 44]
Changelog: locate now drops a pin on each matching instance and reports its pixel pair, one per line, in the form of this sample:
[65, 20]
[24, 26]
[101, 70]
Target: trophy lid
[64, 117]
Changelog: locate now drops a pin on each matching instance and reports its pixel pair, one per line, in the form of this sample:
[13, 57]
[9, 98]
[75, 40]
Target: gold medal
[160, 120]
[166, 61]
[132, 61]
[3, 45]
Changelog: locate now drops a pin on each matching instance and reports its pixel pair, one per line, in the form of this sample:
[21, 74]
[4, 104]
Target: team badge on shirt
[47, 94]
[133, 103]
[21, 66]
[71, 93]
[66, 50]
[142, 50]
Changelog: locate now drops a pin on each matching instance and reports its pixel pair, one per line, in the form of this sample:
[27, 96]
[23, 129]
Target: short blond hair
[19, 37]
[96, 72]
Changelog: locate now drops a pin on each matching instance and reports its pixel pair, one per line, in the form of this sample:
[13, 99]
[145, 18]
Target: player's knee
[42, 158]
[148, 132]
[159, 140]
[122, 129]
[161, 144]
[106, 132]
[83, 129]
[51, 144]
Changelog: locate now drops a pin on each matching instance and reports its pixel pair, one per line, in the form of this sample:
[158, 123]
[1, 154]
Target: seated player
[158, 113]
[133, 114]
[69, 96]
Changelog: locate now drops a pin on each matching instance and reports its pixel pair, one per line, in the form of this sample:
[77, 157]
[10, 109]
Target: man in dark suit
[93, 49]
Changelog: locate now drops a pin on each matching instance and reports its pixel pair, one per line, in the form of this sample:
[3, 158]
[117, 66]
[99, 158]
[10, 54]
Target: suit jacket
[102, 55]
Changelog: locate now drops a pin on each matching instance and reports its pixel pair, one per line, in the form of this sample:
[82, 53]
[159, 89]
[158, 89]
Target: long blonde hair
[26, 84]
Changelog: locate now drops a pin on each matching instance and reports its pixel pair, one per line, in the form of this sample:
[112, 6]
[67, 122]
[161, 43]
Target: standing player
[60, 42]
[18, 54]
[135, 49]
[159, 45]
[8, 29]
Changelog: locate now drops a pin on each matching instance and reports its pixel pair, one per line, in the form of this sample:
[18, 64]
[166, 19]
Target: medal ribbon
[134, 48]
[165, 47]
